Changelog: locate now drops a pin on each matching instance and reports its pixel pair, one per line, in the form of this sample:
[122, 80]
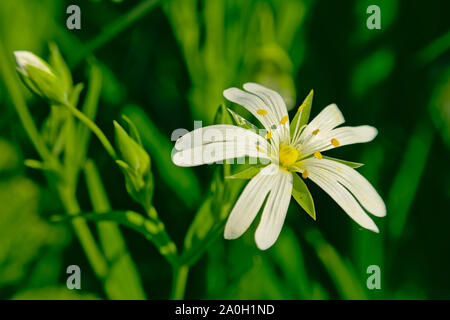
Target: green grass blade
[123, 281]
[343, 276]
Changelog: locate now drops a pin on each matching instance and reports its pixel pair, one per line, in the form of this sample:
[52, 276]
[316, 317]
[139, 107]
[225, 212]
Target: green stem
[68, 199]
[95, 129]
[93, 253]
[13, 88]
[180, 275]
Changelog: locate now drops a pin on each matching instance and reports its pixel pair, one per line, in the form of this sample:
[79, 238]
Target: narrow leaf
[151, 230]
[303, 197]
[302, 114]
[341, 272]
[241, 121]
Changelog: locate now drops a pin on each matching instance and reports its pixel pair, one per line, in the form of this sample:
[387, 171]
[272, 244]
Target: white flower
[289, 153]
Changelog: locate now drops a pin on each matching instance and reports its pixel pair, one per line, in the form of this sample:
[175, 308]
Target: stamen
[334, 142]
[305, 174]
[318, 155]
[301, 107]
[284, 119]
[269, 135]
[315, 131]
[261, 112]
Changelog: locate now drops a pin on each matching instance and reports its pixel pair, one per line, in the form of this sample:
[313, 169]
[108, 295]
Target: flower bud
[39, 77]
[135, 164]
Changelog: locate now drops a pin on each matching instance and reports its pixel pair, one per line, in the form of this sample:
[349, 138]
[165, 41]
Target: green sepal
[130, 150]
[347, 163]
[60, 67]
[246, 173]
[45, 84]
[302, 114]
[302, 195]
[135, 164]
[134, 133]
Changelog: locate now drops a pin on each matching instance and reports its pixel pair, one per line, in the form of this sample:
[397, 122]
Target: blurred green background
[165, 64]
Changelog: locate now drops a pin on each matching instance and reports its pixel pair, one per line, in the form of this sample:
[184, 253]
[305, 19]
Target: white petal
[329, 118]
[276, 104]
[24, 58]
[214, 152]
[275, 210]
[219, 142]
[352, 180]
[351, 135]
[249, 202]
[252, 103]
[344, 135]
[342, 197]
[215, 133]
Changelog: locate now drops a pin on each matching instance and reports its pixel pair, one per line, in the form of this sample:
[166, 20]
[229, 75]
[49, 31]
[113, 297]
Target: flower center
[287, 156]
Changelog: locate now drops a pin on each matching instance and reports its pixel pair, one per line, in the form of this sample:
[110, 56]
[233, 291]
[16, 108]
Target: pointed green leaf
[302, 195]
[340, 270]
[241, 121]
[246, 173]
[347, 163]
[302, 116]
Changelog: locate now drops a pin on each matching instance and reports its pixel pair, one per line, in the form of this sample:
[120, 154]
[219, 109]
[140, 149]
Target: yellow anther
[315, 132]
[318, 155]
[301, 107]
[258, 148]
[268, 135]
[261, 112]
[334, 142]
[284, 119]
[288, 156]
[305, 174]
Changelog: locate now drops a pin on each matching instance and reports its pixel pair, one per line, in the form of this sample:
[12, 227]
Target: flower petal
[249, 203]
[219, 142]
[275, 210]
[252, 103]
[340, 136]
[342, 197]
[276, 105]
[329, 118]
[350, 179]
